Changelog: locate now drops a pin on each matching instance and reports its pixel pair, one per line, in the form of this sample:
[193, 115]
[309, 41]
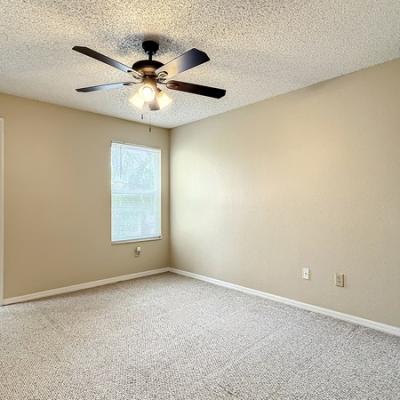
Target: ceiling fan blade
[190, 59]
[106, 86]
[196, 89]
[101, 57]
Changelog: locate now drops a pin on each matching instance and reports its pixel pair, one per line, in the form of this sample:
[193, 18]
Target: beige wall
[57, 197]
[311, 178]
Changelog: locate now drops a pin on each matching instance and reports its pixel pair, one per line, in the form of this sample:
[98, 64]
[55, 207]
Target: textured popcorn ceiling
[258, 48]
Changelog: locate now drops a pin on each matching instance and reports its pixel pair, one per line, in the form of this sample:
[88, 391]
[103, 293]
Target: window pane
[136, 192]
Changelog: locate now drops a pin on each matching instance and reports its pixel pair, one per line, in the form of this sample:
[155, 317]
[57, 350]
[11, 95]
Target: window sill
[136, 240]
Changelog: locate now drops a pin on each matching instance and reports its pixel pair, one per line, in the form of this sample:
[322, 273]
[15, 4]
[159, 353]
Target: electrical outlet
[138, 251]
[339, 279]
[306, 273]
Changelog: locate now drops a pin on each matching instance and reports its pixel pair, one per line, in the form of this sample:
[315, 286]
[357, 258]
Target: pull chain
[142, 118]
[149, 123]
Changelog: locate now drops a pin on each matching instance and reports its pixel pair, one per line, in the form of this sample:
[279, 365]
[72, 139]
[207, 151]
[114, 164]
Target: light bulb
[148, 93]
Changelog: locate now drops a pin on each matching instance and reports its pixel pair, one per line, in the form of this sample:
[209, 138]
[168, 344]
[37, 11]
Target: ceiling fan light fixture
[148, 93]
[163, 100]
[148, 90]
[137, 101]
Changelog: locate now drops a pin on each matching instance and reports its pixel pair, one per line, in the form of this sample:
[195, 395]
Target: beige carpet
[170, 337]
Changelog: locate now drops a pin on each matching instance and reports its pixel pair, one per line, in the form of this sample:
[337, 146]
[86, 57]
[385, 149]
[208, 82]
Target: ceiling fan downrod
[150, 47]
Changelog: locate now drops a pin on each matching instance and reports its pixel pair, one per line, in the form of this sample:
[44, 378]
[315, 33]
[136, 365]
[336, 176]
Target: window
[135, 193]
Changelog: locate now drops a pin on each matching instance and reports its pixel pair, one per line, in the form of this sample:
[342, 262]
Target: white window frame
[138, 240]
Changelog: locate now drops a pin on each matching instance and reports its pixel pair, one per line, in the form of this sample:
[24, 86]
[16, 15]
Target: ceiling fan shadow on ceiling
[151, 73]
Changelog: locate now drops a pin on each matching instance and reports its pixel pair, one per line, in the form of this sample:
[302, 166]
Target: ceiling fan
[151, 73]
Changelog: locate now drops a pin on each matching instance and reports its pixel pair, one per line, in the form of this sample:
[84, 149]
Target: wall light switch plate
[306, 273]
[339, 280]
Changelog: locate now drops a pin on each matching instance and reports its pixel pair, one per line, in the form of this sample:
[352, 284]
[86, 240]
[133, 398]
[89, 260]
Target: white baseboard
[393, 330]
[81, 286]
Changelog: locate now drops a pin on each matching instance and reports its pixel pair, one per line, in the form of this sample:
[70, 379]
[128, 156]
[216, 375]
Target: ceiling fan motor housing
[147, 67]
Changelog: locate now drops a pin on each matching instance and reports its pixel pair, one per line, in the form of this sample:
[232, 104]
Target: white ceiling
[258, 48]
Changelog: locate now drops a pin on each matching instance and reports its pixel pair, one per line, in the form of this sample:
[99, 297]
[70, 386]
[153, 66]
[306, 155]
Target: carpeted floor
[170, 337]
